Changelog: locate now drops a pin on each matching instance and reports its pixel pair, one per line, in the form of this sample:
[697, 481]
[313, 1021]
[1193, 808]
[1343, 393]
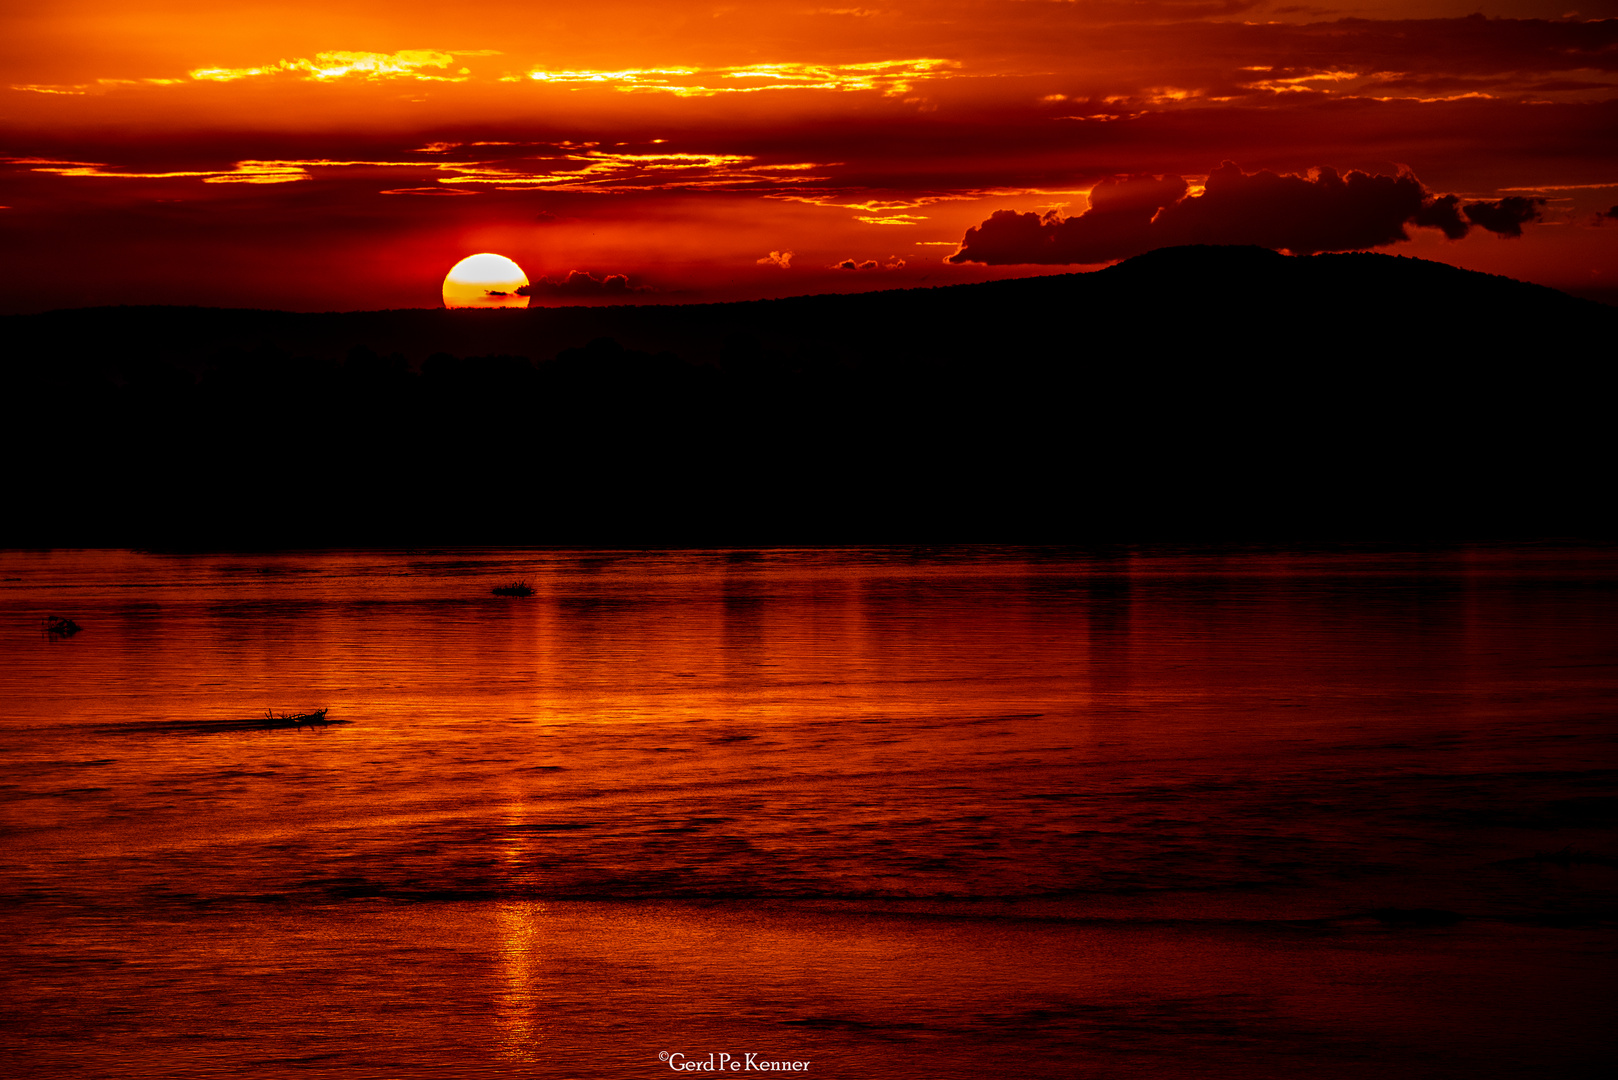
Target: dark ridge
[1197, 393]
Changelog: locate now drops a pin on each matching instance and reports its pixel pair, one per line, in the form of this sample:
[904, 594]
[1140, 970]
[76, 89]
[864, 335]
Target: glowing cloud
[609, 170]
[892, 77]
[244, 172]
[326, 66]
[577, 167]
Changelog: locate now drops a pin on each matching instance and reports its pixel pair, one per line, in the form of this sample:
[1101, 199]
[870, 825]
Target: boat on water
[285, 720]
[516, 588]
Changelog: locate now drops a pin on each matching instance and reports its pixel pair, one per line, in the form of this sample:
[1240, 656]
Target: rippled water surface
[953, 813]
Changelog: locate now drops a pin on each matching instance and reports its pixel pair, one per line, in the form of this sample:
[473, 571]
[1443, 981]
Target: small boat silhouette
[284, 720]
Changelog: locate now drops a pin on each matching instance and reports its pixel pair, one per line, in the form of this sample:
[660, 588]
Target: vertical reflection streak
[518, 1000]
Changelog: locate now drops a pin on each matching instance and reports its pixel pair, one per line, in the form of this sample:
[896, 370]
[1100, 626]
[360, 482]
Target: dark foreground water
[965, 813]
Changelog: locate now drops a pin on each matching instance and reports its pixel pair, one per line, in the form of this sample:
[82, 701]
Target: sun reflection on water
[517, 1001]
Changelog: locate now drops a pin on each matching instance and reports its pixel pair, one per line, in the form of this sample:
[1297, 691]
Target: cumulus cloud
[1505, 216]
[1326, 211]
[581, 283]
[1443, 213]
[783, 259]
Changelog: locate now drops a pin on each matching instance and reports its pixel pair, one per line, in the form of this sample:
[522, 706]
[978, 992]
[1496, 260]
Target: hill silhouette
[1190, 393]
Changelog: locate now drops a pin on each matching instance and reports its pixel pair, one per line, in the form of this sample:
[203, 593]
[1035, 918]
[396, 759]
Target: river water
[890, 812]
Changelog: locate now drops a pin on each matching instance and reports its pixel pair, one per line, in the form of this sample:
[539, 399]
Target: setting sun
[483, 281]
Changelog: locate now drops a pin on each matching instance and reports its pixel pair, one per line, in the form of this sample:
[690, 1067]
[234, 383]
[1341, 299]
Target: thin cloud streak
[406, 64]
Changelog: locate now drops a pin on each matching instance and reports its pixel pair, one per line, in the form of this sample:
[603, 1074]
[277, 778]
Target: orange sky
[343, 155]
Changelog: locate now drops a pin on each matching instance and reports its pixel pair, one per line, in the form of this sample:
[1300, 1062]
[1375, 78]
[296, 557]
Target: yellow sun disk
[485, 280]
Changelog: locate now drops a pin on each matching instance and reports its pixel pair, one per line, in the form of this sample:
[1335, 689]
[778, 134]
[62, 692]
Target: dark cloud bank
[581, 283]
[1304, 215]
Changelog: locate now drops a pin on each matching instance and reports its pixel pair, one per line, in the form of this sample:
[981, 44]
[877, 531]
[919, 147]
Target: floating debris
[60, 627]
[516, 588]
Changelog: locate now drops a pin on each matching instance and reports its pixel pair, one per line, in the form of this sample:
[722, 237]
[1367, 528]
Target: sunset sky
[344, 154]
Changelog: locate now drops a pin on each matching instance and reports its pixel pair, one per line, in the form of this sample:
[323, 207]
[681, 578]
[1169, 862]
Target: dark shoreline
[1199, 394]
